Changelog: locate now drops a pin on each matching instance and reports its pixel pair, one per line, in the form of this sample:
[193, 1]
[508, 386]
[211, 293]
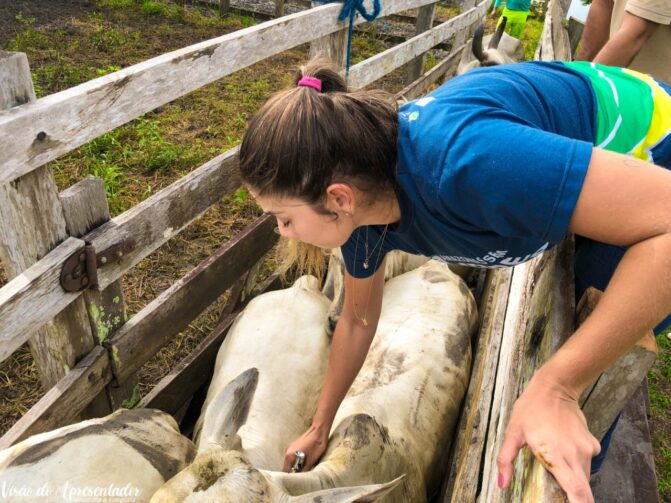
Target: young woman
[491, 169]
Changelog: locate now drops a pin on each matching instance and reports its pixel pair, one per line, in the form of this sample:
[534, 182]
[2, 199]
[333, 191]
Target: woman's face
[296, 219]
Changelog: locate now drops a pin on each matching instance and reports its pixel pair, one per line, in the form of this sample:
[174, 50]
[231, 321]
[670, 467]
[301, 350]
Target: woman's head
[304, 141]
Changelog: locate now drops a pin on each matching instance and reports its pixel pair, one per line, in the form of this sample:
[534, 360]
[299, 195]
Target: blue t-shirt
[490, 166]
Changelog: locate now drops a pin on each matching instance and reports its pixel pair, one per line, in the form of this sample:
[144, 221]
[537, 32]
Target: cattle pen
[65, 255]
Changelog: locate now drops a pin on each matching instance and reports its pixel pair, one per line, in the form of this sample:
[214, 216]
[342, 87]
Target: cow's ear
[349, 494]
[228, 412]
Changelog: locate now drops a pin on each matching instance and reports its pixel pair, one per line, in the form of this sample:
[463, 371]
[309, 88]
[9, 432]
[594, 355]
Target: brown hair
[303, 140]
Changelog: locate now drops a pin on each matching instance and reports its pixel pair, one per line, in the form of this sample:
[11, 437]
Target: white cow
[396, 263]
[501, 49]
[125, 456]
[281, 334]
[396, 423]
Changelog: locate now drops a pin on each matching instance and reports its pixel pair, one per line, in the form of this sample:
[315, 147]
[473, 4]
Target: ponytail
[317, 133]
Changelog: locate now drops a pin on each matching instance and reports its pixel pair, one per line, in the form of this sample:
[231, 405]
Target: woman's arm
[623, 201]
[349, 347]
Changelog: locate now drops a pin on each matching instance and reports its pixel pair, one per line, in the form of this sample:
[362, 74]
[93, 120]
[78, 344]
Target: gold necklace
[366, 255]
[380, 242]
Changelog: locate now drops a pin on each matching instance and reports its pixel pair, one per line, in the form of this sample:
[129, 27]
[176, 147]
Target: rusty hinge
[80, 270]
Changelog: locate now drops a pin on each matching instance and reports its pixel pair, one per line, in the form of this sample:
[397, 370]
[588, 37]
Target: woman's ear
[340, 198]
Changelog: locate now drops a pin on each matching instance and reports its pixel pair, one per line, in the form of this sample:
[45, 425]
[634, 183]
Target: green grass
[659, 385]
[429, 62]
[116, 4]
[532, 34]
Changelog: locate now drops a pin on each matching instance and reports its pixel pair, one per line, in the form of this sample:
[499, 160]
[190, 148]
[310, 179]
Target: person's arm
[623, 201]
[626, 43]
[349, 347]
[497, 4]
[596, 31]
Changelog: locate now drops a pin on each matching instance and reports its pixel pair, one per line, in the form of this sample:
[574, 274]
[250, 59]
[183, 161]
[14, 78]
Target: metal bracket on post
[80, 270]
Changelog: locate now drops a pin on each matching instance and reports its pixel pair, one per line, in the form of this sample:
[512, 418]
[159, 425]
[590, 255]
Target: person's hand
[493, 13]
[547, 419]
[312, 443]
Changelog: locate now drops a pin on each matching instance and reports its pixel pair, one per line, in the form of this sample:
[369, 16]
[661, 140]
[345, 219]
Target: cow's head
[501, 49]
[221, 473]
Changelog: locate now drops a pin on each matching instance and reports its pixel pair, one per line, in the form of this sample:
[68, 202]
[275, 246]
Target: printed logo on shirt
[422, 102]
[492, 259]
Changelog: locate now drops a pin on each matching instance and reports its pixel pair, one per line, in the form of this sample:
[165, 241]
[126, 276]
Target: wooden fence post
[32, 224]
[224, 7]
[85, 208]
[279, 8]
[575, 29]
[333, 46]
[424, 22]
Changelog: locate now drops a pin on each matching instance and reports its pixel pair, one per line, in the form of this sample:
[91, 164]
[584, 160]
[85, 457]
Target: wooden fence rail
[147, 332]
[167, 315]
[36, 133]
[34, 297]
[377, 66]
[152, 222]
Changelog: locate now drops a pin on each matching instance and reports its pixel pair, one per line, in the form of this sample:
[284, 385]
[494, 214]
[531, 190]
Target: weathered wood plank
[32, 224]
[628, 472]
[385, 62]
[539, 319]
[36, 133]
[332, 46]
[62, 403]
[150, 223]
[605, 399]
[30, 299]
[424, 22]
[197, 368]
[462, 481]
[602, 401]
[150, 329]
[574, 29]
[85, 208]
[224, 7]
[155, 220]
[82, 211]
[554, 44]
[445, 69]
[160, 217]
[279, 8]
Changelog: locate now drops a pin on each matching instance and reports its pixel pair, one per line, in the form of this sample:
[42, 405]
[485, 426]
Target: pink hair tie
[311, 82]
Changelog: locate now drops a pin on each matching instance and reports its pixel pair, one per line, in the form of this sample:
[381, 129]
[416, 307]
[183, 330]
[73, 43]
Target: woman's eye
[286, 224]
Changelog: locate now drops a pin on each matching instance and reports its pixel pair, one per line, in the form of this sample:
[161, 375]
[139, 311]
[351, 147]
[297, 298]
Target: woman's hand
[312, 443]
[547, 419]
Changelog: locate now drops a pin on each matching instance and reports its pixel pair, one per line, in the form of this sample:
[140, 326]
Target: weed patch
[532, 34]
[659, 390]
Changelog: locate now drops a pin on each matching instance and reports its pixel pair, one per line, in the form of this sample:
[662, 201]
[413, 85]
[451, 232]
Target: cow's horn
[494, 42]
[349, 494]
[228, 412]
[476, 44]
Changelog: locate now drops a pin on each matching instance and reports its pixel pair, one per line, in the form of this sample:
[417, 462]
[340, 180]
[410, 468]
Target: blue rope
[349, 10]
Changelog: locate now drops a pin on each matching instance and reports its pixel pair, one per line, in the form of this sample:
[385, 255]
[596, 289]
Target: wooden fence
[78, 352]
[85, 349]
